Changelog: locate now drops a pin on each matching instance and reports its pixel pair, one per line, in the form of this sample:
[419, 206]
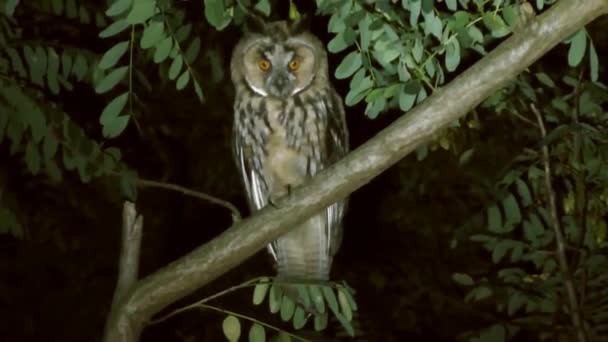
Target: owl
[289, 124]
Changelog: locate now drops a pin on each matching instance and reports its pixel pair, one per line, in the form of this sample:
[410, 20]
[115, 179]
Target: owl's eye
[294, 65]
[264, 65]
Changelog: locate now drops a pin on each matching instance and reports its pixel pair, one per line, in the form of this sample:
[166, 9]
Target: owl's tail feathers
[304, 253]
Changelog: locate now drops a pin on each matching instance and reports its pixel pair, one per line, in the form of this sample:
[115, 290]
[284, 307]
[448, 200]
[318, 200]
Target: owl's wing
[337, 147]
[255, 186]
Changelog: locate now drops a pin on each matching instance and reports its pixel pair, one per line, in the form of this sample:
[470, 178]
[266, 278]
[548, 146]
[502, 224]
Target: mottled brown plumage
[288, 125]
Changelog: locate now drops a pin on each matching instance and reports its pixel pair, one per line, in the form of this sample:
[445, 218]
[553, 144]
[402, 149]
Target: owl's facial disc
[279, 79]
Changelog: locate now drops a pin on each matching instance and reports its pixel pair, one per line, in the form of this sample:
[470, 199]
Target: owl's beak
[280, 84]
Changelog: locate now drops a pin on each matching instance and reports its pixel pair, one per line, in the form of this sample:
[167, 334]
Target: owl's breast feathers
[288, 137]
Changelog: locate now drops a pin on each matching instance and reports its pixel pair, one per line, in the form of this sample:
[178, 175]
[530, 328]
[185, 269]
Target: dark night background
[57, 283]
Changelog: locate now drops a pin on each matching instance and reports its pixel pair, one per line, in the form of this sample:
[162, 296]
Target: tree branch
[575, 314]
[417, 127]
[128, 262]
[236, 215]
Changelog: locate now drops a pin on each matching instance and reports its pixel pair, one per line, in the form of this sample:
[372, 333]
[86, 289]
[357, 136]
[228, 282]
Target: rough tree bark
[242, 240]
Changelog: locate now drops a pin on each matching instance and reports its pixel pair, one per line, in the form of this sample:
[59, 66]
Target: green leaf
[193, 50]
[494, 219]
[260, 290]
[452, 55]
[578, 46]
[480, 293]
[53, 170]
[545, 79]
[115, 28]
[263, 6]
[16, 62]
[9, 7]
[348, 293]
[84, 16]
[294, 14]
[512, 212]
[111, 57]
[317, 298]
[415, 9]
[524, 192]
[36, 60]
[80, 68]
[330, 298]
[466, 156]
[500, 250]
[182, 81]
[496, 25]
[113, 109]
[216, 14]
[350, 64]
[32, 158]
[57, 6]
[407, 98]
[288, 308]
[115, 126]
[495, 333]
[463, 279]
[274, 298]
[111, 80]
[594, 65]
[341, 41]
[257, 333]
[452, 6]
[49, 147]
[364, 32]
[66, 64]
[198, 90]
[52, 72]
[345, 306]
[141, 11]
[516, 302]
[433, 25]
[163, 49]
[232, 328]
[118, 7]
[183, 32]
[321, 321]
[284, 337]
[345, 324]
[153, 33]
[299, 318]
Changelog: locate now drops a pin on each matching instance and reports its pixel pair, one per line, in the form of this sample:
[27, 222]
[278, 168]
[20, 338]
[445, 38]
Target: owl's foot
[274, 200]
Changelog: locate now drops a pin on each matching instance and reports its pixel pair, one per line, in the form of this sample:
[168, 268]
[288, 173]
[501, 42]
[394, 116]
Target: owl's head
[278, 59]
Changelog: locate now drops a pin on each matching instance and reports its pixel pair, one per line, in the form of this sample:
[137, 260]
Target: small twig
[128, 263]
[236, 215]
[228, 312]
[559, 237]
[523, 118]
[205, 300]
[579, 173]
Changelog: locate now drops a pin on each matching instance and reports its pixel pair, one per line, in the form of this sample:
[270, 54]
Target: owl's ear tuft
[300, 25]
[254, 24]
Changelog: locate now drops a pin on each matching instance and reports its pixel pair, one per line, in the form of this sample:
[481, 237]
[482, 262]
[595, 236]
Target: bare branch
[575, 314]
[128, 263]
[236, 215]
[447, 104]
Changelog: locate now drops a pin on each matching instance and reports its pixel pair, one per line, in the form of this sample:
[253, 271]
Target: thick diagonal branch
[245, 238]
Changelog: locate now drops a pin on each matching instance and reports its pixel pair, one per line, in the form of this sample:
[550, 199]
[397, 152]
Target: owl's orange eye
[294, 65]
[264, 65]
